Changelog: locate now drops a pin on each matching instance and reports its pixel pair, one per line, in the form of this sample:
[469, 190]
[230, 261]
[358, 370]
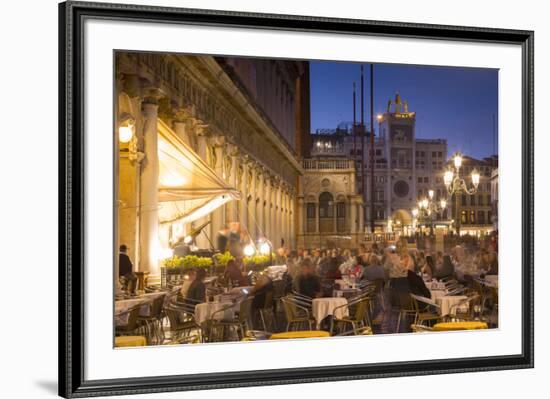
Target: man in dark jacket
[126, 269]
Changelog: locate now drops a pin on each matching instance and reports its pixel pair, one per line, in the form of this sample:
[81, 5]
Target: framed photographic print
[251, 199]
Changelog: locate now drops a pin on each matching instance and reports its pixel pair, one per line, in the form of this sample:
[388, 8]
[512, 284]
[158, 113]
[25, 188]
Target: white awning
[188, 188]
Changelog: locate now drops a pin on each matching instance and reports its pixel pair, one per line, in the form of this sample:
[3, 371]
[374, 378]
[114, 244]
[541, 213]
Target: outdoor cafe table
[204, 311]
[447, 302]
[124, 305]
[323, 307]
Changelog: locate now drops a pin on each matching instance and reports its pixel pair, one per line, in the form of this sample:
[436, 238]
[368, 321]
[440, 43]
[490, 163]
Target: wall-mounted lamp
[126, 128]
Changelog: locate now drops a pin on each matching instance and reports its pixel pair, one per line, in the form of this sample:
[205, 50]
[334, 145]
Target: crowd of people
[400, 268]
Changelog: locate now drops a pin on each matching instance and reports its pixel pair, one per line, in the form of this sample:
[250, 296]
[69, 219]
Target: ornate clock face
[401, 188]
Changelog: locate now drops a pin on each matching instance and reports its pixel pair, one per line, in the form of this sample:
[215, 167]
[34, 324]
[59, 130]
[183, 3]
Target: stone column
[232, 205]
[202, 148]
[180, 125]
[243, 212]
[149, 220]
[267, 221]
[361, 219]
[286, 214]
[277, 217]
[252, 218]
[217, 215]
[260, 229]
[353, 216]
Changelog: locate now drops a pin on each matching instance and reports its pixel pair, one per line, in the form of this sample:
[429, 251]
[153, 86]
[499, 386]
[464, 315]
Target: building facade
[473, 214]
[247, 120]
[404, 169]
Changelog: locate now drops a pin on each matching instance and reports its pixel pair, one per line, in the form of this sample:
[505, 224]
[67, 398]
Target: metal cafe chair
[424, 312]
[153, 322]
[267, 312]
[359, 319]
[181, 320]
[132, 325]
[240, 323]
[303, 300]
[296, 314]
[465, 310]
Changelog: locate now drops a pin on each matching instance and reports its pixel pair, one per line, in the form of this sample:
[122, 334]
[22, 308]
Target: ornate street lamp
[428, 208]
[457, 185]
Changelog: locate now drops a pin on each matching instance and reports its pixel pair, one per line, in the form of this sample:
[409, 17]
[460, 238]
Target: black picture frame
[71, 199]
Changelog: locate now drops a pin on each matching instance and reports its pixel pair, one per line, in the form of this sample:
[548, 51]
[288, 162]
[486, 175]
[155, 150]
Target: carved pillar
[252, 221]
[267, 220]
[149, 228]
[243, 211]
[232, 172]
[353, 216]
[260, 181]
[217, 216]
[200, 134]
[182, 128]
[361, 219]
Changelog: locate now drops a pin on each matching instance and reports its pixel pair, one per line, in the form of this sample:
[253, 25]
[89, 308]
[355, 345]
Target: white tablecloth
[125, 305]
[446, 302]
[276, 272]
[204, 311]
[323, 307]
[437, 293]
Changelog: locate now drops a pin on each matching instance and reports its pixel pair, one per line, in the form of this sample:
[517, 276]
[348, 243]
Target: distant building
[474, 213]
[335, 196]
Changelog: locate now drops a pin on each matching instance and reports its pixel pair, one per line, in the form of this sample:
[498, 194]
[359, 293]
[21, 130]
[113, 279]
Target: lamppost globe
[448, 177]
[264, 248]
[249, 250]
[443, 204]
[415, 212]
[475, 178]
[458, 160]
[431, 194]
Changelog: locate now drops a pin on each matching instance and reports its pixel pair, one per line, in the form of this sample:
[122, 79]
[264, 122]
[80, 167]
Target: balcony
[328, 164]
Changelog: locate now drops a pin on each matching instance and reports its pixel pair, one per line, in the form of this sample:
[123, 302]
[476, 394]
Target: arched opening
[402, 222]
[326, 212]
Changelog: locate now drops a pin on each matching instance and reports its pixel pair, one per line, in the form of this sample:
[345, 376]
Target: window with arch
[326, 205]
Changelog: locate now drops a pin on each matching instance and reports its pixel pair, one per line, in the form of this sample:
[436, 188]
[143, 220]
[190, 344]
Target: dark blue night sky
[453, 103]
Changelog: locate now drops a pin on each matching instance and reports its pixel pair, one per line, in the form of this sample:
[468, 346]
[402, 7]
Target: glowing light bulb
[264, 248]
[458, 160]
[125, 133]
[249, 250]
